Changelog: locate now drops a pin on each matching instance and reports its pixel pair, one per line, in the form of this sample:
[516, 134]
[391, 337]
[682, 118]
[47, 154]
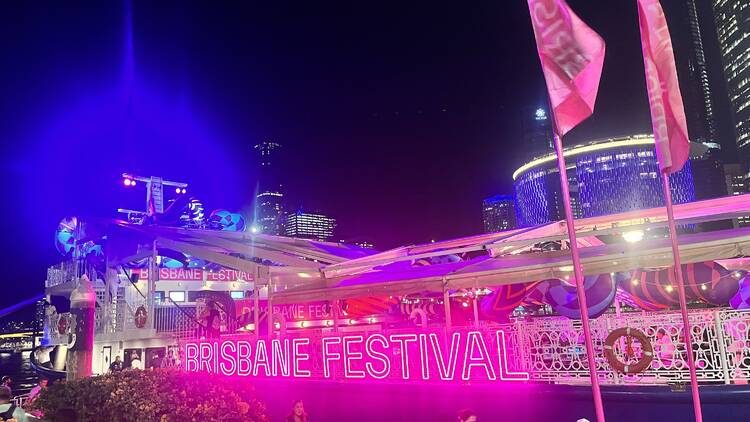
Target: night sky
[397, 119]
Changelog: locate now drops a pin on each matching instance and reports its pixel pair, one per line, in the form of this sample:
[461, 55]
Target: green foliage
[155, 395]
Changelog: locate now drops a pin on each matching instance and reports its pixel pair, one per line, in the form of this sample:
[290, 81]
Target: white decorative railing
[61, 273]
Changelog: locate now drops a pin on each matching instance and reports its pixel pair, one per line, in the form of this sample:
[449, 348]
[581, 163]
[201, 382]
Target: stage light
[127, 182]
[634, 236]
[254, 229]
[184, 190]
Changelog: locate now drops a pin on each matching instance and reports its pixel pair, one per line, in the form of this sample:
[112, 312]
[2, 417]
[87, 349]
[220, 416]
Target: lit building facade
[732, 18]
[499, 213]
[306, 225]
[738, 183]
[605, 177]
[269, 201]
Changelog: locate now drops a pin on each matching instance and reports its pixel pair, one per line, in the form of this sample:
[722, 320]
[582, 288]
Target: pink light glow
[397, 357]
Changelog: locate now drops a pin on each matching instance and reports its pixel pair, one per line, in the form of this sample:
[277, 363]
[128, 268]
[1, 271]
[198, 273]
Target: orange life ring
[629, 333]
[141, 315]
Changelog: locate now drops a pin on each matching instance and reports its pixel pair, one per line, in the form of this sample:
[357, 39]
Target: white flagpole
[686, 331]
[578, 270]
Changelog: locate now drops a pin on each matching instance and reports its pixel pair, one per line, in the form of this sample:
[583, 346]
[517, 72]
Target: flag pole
[686, 330]
[578, 270]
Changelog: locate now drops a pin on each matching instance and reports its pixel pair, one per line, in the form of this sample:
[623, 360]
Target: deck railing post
[722, 347]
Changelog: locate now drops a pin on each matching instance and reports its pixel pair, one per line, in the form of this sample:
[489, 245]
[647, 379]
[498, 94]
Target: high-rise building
[499, 213]
[738, 183]
[536, 129]
[688, 39]
[605, 177]
[732, 19]
[269, 201]
[307, 225]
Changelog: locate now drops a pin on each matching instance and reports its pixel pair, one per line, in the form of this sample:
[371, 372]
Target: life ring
[646, 348]
[63, 324]
[140, 317]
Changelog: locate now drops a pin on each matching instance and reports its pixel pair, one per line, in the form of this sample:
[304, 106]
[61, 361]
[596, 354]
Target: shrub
[154, 395]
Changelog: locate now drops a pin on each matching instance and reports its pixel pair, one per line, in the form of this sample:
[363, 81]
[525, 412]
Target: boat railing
[58, 328]
[20, 400]
[61, 273]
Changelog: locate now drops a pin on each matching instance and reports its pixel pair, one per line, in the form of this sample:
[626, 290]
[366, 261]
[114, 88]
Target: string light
[669, 288]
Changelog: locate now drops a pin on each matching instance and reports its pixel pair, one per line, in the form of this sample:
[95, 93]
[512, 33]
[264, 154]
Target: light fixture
[633, 236]
[669, 288]
[177, 190]
[737, 274]
[704, 287]
[302, 324]
[465, 304]
[277, 325]
[128, 181]
[329, 323]
[634, 282]
[372, 320]
[351, 322]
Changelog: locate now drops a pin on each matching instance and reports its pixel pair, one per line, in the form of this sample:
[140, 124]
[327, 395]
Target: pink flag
[572, 56]
[667, 112]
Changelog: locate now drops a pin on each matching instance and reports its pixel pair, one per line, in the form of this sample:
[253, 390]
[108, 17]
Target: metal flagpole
[580, 291]
[686, 331]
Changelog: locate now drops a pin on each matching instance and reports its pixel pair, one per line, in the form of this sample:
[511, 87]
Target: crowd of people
[8, 409]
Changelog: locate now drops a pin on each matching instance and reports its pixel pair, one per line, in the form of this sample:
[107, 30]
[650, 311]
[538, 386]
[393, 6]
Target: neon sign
[461, 356]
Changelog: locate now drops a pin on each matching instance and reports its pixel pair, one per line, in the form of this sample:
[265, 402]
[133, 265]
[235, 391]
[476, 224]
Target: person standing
[156, 361]
[9, 410]
[6, 382]
[38, 389]
[116, 365]
[135, 361]
[298, 413]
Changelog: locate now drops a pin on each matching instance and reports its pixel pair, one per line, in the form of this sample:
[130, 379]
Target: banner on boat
[460, 356]
[196, 274]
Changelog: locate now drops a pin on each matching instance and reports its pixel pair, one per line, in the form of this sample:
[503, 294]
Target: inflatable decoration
[227, 221]
[193, 214]
[430, 308]
[705, 281]
[65, 235]
[166, 262]
[600, 293]
[504, 300]
[741, 300]
[365, 306]
[435, 260]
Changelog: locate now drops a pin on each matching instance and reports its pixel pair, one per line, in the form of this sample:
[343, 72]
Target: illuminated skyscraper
[307, 225]
[536, 129]
[732, 18]
[499, 213]
[269, 208]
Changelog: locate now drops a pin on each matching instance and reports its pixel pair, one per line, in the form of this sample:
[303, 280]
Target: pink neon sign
[476, 356]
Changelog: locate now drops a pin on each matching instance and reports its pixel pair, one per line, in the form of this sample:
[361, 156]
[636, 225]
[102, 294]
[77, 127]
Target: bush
[154, 395]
